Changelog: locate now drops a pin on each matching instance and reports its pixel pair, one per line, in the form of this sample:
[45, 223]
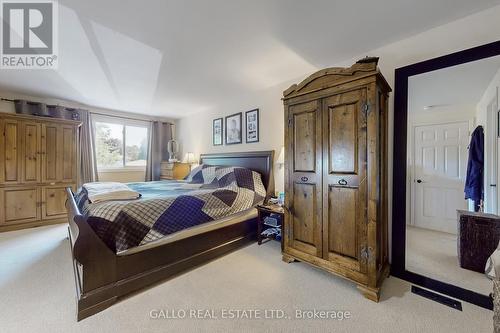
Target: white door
[440, 165]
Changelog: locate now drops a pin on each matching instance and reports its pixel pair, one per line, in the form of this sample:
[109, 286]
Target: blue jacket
[475, 166]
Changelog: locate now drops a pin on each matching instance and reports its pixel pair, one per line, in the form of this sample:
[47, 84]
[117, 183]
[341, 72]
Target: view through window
[119, 145]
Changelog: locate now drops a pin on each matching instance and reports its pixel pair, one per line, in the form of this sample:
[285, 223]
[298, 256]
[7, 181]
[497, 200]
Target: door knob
[419, 181]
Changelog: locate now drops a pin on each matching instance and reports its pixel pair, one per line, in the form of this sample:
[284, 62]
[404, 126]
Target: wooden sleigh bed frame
[102, 277]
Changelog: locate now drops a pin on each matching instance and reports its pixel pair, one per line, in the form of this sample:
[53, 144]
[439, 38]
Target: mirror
[449, 111]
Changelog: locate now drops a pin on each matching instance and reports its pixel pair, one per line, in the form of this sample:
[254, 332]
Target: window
[120, 145]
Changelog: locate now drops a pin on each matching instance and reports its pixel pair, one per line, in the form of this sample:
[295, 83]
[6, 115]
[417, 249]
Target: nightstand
[174, 170]
[266, 210]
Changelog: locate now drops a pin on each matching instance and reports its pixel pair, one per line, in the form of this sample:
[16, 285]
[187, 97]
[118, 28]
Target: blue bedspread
[167, 207]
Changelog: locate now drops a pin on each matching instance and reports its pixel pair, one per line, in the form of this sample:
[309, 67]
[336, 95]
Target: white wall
[487, 97]
[118, 176]
[481, 28]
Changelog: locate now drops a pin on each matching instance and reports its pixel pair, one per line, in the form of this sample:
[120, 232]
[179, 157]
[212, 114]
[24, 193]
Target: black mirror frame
[398, 265]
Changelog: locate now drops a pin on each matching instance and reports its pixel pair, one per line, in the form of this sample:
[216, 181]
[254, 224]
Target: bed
[104, 274]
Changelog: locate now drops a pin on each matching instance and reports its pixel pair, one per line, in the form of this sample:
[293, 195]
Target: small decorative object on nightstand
[269, 222]
[174, 170]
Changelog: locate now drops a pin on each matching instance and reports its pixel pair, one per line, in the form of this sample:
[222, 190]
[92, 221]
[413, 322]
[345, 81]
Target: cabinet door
[303, 179]
[10, 155]
[54, 202]
[19, 205]
[51, 152]
[345, 179]
[68, 153]
[2, 152]
[30, 149]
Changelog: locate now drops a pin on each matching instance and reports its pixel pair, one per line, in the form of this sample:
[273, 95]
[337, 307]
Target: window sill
[118, 170]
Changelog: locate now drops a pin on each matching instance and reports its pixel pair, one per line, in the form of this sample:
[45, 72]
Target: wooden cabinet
[38, 159]
[335, 174]
[174, 170]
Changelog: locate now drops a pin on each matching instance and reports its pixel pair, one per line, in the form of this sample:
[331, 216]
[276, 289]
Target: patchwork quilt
[166, 207]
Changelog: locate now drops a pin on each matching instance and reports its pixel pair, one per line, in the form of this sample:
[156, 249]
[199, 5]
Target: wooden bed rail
[89, 250]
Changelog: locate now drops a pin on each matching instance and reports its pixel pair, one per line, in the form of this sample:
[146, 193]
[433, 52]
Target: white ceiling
[170, 58]
[457, 86]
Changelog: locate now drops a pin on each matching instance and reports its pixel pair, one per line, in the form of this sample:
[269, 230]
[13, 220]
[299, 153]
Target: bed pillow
[242, 177]
[202, 174]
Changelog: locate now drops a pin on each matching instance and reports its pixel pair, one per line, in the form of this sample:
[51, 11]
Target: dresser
[38, 160]
[174, 170]
[336, 175]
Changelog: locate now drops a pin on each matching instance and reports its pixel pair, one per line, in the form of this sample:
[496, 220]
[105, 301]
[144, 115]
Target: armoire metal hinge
[366, 108]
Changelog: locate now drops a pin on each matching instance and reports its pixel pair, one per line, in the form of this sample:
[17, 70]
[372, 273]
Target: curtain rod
[130, 118]
[103, 114]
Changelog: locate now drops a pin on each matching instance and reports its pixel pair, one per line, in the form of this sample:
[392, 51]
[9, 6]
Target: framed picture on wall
[252, 126]
[233, 129]
[217, 132]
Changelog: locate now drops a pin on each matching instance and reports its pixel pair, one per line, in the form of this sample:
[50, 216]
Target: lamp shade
[190, 158]
[281, 157]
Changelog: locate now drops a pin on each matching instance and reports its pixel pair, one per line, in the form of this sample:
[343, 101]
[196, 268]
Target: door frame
[412, 171]
[491, 138]
[398, 262]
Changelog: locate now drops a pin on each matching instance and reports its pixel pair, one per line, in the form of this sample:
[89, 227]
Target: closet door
[344, 179]
[303, 185]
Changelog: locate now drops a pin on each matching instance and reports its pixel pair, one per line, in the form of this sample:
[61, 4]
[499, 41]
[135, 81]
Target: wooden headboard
[259, 161]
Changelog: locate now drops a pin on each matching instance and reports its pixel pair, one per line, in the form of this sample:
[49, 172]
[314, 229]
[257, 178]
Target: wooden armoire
[38, 160]
[336, 174]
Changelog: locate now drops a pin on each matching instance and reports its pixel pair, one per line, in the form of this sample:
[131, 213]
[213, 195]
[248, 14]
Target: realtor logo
[29, 34]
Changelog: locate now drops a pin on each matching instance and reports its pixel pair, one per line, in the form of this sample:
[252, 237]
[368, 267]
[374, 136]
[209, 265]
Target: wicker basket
[496, 305]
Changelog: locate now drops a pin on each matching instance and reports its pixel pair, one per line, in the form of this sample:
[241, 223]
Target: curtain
[159, 135]
[154, 153]
[88, 165]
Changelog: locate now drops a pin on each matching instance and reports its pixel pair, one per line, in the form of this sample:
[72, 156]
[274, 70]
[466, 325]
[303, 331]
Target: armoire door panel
[2, 152]
[344, 179]
[343, 139]
[304, 219]
[342, 222]
[54, 202]
[19, 205]
[303, 186]
[68, 154]
[30, 152]
[12, 165]
[304, 141]
[51, 152]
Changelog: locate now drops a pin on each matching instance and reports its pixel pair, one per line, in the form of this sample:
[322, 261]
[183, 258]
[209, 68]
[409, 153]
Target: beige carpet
[434, 254]
[37, 295]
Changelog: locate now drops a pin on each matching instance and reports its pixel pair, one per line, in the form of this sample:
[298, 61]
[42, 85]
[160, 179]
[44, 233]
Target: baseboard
[35, 224]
